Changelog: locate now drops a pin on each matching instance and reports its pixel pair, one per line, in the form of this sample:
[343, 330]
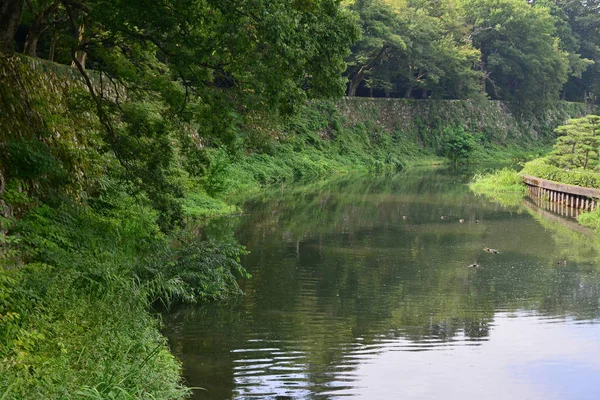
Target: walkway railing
[564, 196]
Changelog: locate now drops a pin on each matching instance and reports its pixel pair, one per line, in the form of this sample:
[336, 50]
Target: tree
[41, 14]
[413, 47]
[583, 18]
[380, 26]
[571, 43]
[578, 145]
[521, 55]
[203, 62]
[10, 16]
[439, 60]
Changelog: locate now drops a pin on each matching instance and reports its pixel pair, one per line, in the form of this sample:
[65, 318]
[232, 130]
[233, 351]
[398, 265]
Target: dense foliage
[276, 53]
[100, 165]
[578, 144]
[542, 168]
[414, 49]
[528, 52]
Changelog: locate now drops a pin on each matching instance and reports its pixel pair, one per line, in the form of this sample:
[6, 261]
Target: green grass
[509, 153]
[77, 284]
[505, 180]
[590, 219]
[504, 186]
[199, 205]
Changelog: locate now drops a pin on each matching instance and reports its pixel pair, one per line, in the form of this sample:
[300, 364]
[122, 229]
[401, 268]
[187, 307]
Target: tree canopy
[578, 144]
[512, 50]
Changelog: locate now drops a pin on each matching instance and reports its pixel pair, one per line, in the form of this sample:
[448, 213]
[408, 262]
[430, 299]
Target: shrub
[457, 145]
[578, 144]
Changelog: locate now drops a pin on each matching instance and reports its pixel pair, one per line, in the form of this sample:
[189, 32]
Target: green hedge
[541, 169]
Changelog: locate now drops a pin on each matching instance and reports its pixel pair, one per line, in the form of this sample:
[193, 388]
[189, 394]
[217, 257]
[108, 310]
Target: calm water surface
[348, 299]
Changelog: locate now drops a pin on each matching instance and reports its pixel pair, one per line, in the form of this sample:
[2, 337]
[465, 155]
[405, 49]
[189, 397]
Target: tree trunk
[408, 92]
[10, 16]
[32, 40]
[355, 82]
[80, 55]
[52, 51]
[360, 75]
[586, 159]
[38, 27]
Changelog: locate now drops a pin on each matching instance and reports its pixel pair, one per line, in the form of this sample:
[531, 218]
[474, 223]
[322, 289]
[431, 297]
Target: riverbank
[507, 186]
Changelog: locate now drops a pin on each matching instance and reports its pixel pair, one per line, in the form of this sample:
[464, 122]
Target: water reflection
[349, 299]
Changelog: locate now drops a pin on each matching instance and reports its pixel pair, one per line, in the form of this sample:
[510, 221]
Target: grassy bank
[77, 286]
[507, 187]
[322, 140]
[542, 169]
[505, 180]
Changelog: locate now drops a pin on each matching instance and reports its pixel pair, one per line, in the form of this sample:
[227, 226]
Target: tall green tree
[413, 48]
[173, 77]
[583, 18]
[570, 42]
[521, 54]
[381, 33]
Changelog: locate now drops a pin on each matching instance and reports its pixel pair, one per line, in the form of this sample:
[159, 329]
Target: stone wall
[495, 120]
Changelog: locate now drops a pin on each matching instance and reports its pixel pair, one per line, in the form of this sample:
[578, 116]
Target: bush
[457, 145]
[590, 219]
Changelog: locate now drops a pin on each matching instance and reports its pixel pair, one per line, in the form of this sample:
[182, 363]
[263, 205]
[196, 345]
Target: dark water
[349, 299]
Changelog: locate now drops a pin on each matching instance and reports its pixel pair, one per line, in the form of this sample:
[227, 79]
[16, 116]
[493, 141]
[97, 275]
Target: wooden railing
[566, 196]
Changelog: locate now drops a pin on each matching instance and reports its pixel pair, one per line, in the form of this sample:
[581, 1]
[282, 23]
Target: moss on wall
[495, 121]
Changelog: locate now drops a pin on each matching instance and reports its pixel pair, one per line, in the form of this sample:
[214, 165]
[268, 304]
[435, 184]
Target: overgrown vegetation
[500, 181]
[457, 145]
[526, 52]
[590, 219]
[77, 282]
[504, 186]
[541, 168]
[572, 161]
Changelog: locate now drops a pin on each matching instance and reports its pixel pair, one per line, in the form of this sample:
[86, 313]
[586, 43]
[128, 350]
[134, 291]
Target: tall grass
[76, 288]
[505, 180]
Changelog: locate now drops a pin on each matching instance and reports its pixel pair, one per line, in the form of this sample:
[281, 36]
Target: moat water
[349, 299]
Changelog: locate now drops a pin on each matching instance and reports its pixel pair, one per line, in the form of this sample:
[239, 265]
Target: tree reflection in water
[340, 279]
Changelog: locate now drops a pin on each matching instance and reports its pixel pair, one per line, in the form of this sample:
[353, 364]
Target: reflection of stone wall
[493, 119]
